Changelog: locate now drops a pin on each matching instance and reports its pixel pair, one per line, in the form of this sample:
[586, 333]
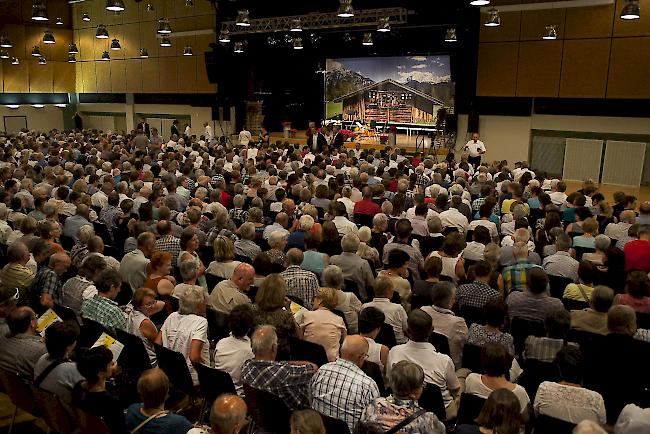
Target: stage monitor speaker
[472, 122]
[211, 67]
[451, 124]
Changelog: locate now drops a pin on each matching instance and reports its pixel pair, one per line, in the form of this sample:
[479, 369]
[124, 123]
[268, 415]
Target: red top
[637, 255]
[366, 206]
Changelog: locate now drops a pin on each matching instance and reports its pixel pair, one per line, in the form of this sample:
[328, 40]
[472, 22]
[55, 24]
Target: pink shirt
[325, 328]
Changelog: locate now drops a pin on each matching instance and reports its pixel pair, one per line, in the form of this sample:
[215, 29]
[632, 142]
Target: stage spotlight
[345, 9]
[36, 51]
[224, 36]
[550, 33]
[13, 106]
[165, 42]
[5, 42]
[72, 58]
[15, 61]
[39, 12]
[48, 37]
[42, 61]
[384, 25]
[189, 3]
[243, 19]
[4, 54]
[479, 2]
[144, 53]
[115, 44]
[187, 51]
[38, 105]
[367, 39]
[72, 48]
[631, 10]
[163, 27]
[102, 32]
[297, 44]
[150, 8]
[450, 36]
[494, 20]
[59, 21]
[115, 5]
[60, 105]
[239, 47]
[106, 56]
[296, 26]
[85, 17]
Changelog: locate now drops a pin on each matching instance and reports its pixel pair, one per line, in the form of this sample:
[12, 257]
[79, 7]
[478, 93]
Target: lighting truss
[318, 21]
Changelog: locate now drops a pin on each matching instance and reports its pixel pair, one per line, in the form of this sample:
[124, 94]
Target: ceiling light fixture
[106, 56]
[631, 10]
[189, 3]
[243, 18]
[72, 58]
[36, 51]
[550, 33]
[367, 39]
[59, 21]
[15, 61]
[450, 36]
[479, 2]
[38, 105]
[345, 9]
[102, 32]
[384, 25]
[48, 37]
[239, 47]
[115, 44]
[60, 105]
[42, 61]
[297, 44]
[187, 51]
[5, 42]
[150, 8]
[144, 53]
[163, 27]
[494, 20]
[39, 12]
[85, 17]
[4, 54]
[165, 42]
[296, 25]
[115, 5]
[224, 36]
[72, 48]
[13, 106]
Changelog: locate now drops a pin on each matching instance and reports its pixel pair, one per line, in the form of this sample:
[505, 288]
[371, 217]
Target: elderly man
[228, 415]
[20, 351]
[133, 267]
[340, 389]
[75, 222]
[289, 381]
[230, 293]
[619, 231]
[15, 274]
[300, 283]
[394, 312]
[535, 302]
[47, 287]
[507, 250]
[340, 220]
[561, 263]
[102, 308]
[167, 241]
[280, 225]
[246, 246]
[453, 218]
[403, 230]
[515, 276]
[594, 318]
[354, 267]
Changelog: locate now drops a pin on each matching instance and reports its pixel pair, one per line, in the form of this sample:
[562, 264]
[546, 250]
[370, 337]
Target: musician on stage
[476, 148]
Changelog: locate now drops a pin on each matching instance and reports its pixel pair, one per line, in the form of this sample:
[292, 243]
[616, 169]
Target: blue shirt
[172, 423]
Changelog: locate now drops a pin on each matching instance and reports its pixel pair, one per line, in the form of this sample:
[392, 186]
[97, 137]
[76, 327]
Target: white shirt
[558, 198]
[438, 368]
[209, 133]
[569, 403]
[230, 355]
[345, 226]
[633, 420]
[410, 213]
[475, 148]
[474, 385]
[179, 331]
[349, 205]
[491, 226]
[395, 316]
[455, 219]
[188, 131]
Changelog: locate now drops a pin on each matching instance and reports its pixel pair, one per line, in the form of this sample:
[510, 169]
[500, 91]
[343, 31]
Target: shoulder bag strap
[43, 375]
[582, 291]
[406, 421]
[149, 419]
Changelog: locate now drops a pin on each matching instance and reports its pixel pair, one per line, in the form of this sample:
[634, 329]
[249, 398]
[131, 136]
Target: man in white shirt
[394, 312]
[454, 218]
[558, 195]
[343, 225]
[231, 352]
[476, 148]
[208, 131]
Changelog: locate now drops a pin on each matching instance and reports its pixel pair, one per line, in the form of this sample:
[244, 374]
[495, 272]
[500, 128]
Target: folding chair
[89, 423]
[431, 400]
[212, 384]
[386, 336]
[332, 425]
[308, 351]
[547, 424]
[175, 366]
[20, 394]
[440, 342]
[469, 409]
[53, 412]
[269, 413]
[217, 324]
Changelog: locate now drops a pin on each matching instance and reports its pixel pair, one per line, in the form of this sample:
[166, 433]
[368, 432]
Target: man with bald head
[228, 415]
[167, 241]
[340, 389]
[47, 287]
[229, 293]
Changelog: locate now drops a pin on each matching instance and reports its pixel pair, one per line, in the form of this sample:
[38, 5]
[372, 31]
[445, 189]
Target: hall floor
[642, 193]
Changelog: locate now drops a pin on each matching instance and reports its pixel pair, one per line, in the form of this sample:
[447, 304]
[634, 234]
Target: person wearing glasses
[22, 348]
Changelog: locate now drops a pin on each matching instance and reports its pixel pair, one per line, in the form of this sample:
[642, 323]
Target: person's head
[495, 360]
[294, 257]
[192, 301]
[444, 295]
[241, 320]
[264, 342]
[420, 325]
[557, 323]
[161, 263]
[306, 422]
[189, 240]
[22, 320]
[621, 319]
[482, 271]
[407, 380]
[332, 277]
[355, 349]
[109, 283]
[637, 284]
[403, 229]
[398, 260]
[350, 243]
[501, 413]
[602, 298]
[224, 249]
[602, 242]
[370, 321]
[495, 312]
[570, 364]
[18, 252]
[588, 427]
[537, 281]
[144, 300]
[96, 364]
[384, 287]
[243, 276]
[146, 243]
[278, 240]
[228, 414]
[60, 339]
[153, 387]
[326, 298]
[433, 267]
[271, 293]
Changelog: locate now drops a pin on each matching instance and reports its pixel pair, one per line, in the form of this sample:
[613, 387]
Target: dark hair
[186, 236]
[570, 362]
[495, 312]
[557, 323]
[485, 210]
[454, 244]
[537, 280]
[94, 361]
[60, 336]
[397, 258]
[370, 318]
[108, 279]
[481, 269]
[501, 413]
[587, 272]
[312, 241]
[241, 320]
[263, 264]
[403, 228]
[482, 235]
[495, 360]
[20, 319]
[637, 284]
[420, 325]
[433, 266]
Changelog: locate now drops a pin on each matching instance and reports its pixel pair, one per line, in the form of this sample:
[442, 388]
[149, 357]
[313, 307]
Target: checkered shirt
[287, 382]
[476, 205]
[238, 215]
[48, 282]
[542, 348]
[423, 181]
[341, 390]
[514, 276]
[105, 311]
[301, 283]
[171, 244]
[475, 294]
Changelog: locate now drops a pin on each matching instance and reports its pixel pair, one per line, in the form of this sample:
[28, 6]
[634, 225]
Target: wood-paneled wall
[596, 55]
[165, 71]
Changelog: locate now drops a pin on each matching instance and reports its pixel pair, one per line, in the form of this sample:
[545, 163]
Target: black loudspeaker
[211, 66]
[451, 124]
[472, 122]
[225, 109]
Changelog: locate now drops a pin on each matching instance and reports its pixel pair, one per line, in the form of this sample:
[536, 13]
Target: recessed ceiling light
[13, 106]
[494, 20]
[38, 105]
[60, 105]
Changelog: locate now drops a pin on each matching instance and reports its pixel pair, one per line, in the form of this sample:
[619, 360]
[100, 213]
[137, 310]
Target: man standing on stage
[315, 139]
[476, 148]
[208, 132]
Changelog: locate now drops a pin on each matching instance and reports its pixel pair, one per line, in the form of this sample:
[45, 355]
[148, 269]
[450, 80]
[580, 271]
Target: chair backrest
[65, 313]
[89, 332]
[213, 382]
[351, 286]
[102, 231]
[335, 426]
[547, 424]
[535, 372]
[581, 251]
[53, 412]
[217, 324]
[386, 336]
[521, 328]
[89, 423]
[134, 356]
[440, 342]
[18, 390]
[125, 295]
[472, 358]
[269, 413]
[470, 407]
[211, 280]
[557, 285]
[363, 219]
[309, 351]
[643, 320]
[472, 314]
[372, 370]
[175, 366]
[431, 400]
[570, 304]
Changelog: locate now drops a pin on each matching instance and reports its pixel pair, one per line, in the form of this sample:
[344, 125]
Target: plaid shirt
[542, 348]
[515, 277]
[341, 390]
[301, 283]
[423, 181]
[476, 205]
[48, 282]
[105, 311]
[475, 294]
[287, 382]
[238, 215]
[108, 216]
[171, 244]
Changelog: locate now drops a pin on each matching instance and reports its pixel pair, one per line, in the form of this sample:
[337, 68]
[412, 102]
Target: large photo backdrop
[406, 90]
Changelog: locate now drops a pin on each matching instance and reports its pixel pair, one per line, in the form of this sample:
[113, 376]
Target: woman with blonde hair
[347, 302]
[322, 326]
[365, 251]
[306, 422]
[224, 263]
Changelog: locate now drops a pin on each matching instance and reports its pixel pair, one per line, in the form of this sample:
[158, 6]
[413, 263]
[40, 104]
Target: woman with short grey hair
[246, 246]
[346, 302]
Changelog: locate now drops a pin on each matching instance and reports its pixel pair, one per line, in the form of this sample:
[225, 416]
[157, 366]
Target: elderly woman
[190, 273]
[637, 292]
[453, 265]
[384, 414]
[256, 216]
[365, 250]
[82, 287]
[224, 263]
[189, 245]
[143, 305]
[246, 246]
[311, 211]
[80, 250]
[159, 278]
[589, 231]
[270, 308]
[186, 331]
[495, 313]
[347, 302]
[322, 326]
[599, 257]
[277, 243]
[378, 237]
[501, 413]
[297, 237]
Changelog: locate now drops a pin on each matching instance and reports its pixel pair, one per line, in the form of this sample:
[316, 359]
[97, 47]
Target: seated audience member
[453, 267]
[289, 381]
[340, 389]
[515, 277]
[190, 244]
[138, 322]
[82, 287]
[347, 302]
[189, 271]
[300, 283]
[159, 277]
[637, 292]
[16, 274]
[599, 257]
[438, 368]
[396, 270]
[353, 266]
[581, 291]
[102, 308]
[508, 257]
[133, 267]
[54, 371]
[423, 289]
[224, 264]
[495, 313]
[561, 263]
[150, 416]
[484, 213]
[322, 326]
[47, 288]
[277, 243]
[90, 395]
[395, 314]
[186, 331]
[370, 322]
[401, 241]
[230, 353]
[496, 362]
[314, 260]
[633, 420]
[619, 231]
[383, 414]
[230, 293]
[545, 348]
[567, 399]
[246, 246]
[22, 348]
[228, 415]
[446, 322]
[588, 239]
[535, 302]
[637, 252]
[501, 413]
[306, 421]
[479, 292]
[594, 318]
[475, 248]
